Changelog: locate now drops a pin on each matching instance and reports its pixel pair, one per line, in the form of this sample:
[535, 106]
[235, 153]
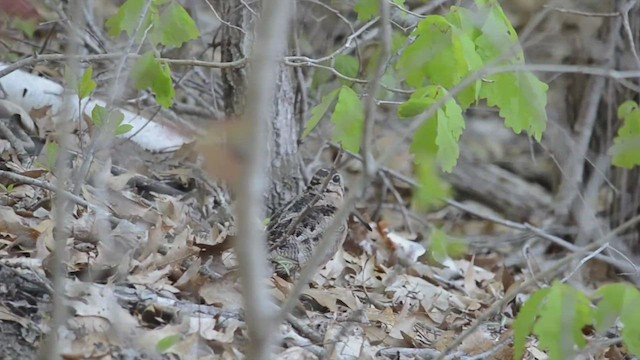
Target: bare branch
[370, 107]
[269, 45]
[581, 13]
[61, 211]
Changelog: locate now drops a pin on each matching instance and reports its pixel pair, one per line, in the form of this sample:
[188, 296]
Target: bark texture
[284, 162]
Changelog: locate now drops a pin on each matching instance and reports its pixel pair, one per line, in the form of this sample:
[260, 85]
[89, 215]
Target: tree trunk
[284, 162]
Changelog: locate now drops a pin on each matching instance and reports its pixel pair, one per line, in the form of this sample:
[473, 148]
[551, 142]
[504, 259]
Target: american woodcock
[297, 228]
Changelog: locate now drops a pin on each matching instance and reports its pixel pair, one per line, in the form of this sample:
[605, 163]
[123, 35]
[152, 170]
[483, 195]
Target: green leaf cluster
[7, 189]
[626, 146]
[101, 117]
[348, 117]
[170, 26]
[441, 53]
[557, 316]
[445, 51]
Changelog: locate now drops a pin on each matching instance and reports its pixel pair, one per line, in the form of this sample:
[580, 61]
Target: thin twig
[302, 86]
[35, 59]
[45, 185]
[215, 13]
[581, 13]
[347, 45]
[396, 195]
[624, 11]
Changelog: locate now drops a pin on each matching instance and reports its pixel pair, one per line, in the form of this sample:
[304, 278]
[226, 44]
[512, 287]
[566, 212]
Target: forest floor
[445, 282]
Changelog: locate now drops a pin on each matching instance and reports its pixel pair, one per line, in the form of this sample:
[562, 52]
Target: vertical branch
[269, 45]
[62, 209]
[570, 187]
[374, 87]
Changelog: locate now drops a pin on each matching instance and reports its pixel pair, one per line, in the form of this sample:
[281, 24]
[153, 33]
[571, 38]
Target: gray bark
[283, 130]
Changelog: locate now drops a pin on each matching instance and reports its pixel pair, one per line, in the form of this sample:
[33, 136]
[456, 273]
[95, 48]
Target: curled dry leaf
[331, 298]
[222, 293]
[7, 111]
[14, 226]
[214, 329]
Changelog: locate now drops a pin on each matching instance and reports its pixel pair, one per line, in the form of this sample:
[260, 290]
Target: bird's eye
[336, 178]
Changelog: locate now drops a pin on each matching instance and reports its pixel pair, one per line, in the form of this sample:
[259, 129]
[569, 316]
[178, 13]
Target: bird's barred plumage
[297, 228]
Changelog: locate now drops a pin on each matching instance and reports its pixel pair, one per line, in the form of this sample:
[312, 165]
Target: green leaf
[114, 118]
[627, 109]
[450, 127]
[444, 247]
[28, 27]
[438, 248]
[522, 100]
[126, 18]
[626, 148]
[432, 188]
[367, 9]
[424, 140]
[466, 20]
[348, 118]
[442, 55]
[414, 107]
[174, 27]
[87, 85]
[347, 65]
[320, 77]
[521, 97]
[449, 124]
[167, 342]
[147, 72]
[398, 41]
[630, 316]
[525, 320]
[317, 113]
[98, 115]
[123, 129]
[52, 155]
[610, 307]
[623, 301]
[564, 314]
[497, 34]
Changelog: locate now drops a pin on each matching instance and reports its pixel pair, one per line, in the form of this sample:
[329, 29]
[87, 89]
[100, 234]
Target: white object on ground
[35, 92]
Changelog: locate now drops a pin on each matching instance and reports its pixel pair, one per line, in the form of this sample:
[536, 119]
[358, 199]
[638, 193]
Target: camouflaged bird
[297, 228]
